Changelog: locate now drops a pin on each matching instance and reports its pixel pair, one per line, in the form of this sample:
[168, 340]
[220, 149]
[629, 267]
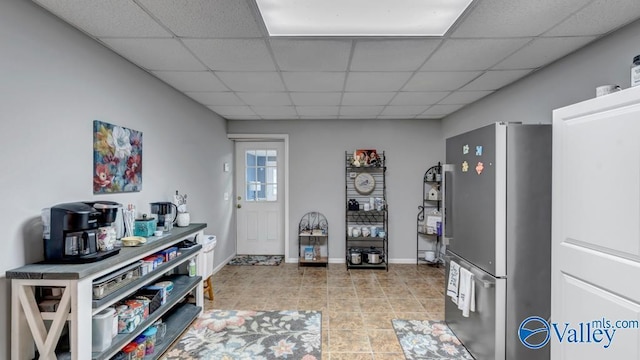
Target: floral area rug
[422, 339]
[251, 335]
[264, 260]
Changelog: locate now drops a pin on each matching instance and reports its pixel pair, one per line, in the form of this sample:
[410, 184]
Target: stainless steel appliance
[74, 228]
[498, 221]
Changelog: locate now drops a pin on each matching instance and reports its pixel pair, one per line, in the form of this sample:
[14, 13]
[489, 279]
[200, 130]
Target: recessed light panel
[360, 17]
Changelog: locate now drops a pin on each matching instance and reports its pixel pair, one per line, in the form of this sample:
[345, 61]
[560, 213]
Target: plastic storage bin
[102, 329]
[208, 247]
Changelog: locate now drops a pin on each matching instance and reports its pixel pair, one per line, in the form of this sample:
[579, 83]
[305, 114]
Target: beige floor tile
[375, 305]
[384, 341]
[406, 305]
[345, 320]
[344, 305]
[350, 356]
[348, 341]
[341, 292]
[414, 316]
[378, 320]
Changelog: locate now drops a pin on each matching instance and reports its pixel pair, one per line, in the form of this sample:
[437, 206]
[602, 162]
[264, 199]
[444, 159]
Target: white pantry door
[596, 229]
[259, 198]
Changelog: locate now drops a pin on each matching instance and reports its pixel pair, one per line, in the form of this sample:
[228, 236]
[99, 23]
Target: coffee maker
[166, 213]
[74, 228]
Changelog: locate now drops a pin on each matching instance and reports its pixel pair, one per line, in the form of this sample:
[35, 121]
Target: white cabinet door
[596, 229]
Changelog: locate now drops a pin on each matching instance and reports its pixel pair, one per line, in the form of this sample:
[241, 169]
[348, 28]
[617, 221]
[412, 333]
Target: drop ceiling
[218, 53]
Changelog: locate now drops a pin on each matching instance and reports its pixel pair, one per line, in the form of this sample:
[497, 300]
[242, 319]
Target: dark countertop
[80, 271]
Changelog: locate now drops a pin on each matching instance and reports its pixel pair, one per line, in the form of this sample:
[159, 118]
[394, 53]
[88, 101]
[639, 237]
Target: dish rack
[113, 281]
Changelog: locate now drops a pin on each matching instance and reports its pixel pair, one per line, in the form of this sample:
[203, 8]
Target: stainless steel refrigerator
[498, 224]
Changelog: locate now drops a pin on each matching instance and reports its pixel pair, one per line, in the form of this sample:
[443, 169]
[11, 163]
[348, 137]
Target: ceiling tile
[115, 18]
[252, 81]
[597, 18]
[376, 81]
[155, 54]
[543, 51]
[205, 18]
[439, 81]
[464, 97]
[367, 98]
[418, 98]
[215, 98]
[317, 110]
[472, 54]
[232, 110]
[191, 80]
[493, 80]
[311, 55]
[316, 98]
[391, 55]
[515, 18]
[265, 98]
[232, 54]
[438, 110]
[360, 110]
[274, 110]
[314, 81]
[406, 110]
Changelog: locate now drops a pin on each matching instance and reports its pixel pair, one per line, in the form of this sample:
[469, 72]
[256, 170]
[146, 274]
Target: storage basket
[155, 297]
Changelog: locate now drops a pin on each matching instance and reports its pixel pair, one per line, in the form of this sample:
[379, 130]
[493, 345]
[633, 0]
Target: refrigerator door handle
[447, 182]
[486, 280]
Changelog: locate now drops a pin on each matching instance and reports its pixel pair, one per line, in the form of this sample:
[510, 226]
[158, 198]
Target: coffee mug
[350, 231]
[365, 231]
[381, 233]
[606, 89]
[374, 231]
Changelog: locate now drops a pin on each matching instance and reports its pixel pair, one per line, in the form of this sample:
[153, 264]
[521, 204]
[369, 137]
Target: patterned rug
[251, 335]
[422, 339]
[264, 260]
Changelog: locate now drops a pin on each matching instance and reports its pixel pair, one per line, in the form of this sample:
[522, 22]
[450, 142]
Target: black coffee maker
[73, 237]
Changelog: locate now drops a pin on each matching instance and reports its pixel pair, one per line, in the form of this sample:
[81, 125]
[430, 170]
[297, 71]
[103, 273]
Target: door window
[261, 175]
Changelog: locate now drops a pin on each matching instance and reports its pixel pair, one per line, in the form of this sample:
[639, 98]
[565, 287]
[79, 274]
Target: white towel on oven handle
[466, 292]
[454, 280]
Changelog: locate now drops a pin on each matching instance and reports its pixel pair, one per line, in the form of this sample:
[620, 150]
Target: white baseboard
[343, 260]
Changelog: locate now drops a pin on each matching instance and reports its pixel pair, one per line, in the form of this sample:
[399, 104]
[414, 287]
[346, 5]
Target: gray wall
[54, 82]
[567, 81]
[317, 173]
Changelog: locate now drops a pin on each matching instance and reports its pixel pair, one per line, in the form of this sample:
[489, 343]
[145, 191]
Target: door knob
[239, 197]
[239, 206]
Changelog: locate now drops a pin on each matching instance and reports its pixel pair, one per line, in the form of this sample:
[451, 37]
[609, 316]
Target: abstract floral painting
[117, 158]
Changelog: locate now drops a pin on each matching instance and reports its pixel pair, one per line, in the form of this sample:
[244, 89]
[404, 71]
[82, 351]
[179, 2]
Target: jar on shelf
[635, 71]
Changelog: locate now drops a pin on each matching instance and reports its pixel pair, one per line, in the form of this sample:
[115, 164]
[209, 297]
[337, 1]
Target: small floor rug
[264, 260]
[422, 339]
[251, 335]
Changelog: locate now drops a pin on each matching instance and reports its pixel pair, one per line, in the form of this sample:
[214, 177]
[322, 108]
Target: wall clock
[364, 183]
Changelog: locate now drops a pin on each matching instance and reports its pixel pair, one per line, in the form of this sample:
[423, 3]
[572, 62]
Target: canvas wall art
[117, 158]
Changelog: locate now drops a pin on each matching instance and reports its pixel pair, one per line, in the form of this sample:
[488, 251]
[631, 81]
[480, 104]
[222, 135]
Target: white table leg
[80, 327]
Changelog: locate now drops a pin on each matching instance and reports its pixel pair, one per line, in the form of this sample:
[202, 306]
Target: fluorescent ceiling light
[360, 17]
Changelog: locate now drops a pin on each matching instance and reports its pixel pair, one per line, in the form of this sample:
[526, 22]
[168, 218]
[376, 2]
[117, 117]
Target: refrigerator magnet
[479, 167]
[465, 149]
[479, 150]
[465, 166]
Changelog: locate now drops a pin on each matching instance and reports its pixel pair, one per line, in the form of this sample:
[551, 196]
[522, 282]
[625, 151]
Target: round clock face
[364, 183]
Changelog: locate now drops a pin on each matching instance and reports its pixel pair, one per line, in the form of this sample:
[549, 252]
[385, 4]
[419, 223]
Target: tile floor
[357, 305]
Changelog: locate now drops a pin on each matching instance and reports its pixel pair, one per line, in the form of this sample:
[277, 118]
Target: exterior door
[596, 236]
[259, 197]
